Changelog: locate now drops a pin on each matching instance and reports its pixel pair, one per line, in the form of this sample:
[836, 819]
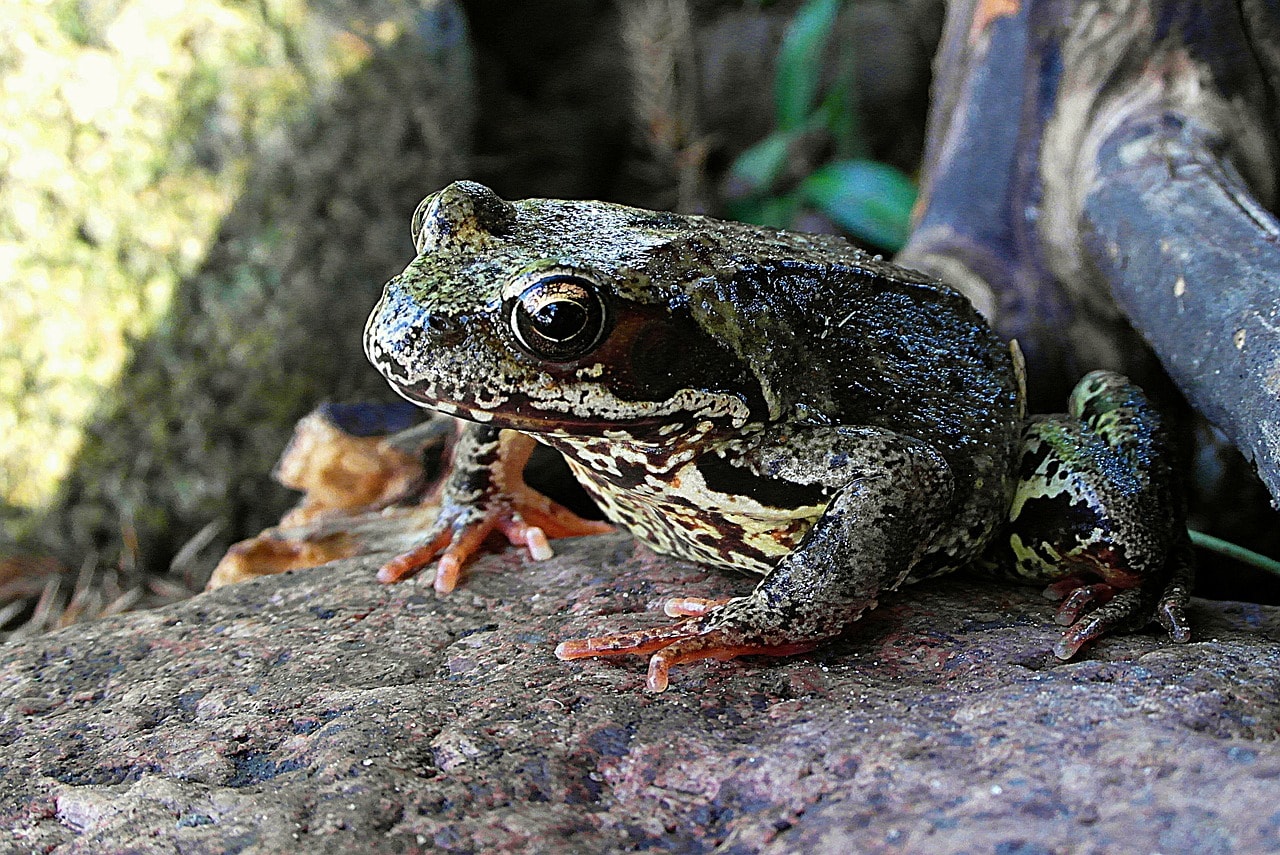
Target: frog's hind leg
[1098, 515]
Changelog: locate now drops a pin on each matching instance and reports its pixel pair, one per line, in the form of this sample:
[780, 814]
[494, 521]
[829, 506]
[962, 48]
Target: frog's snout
[465, 212]
[399, 332]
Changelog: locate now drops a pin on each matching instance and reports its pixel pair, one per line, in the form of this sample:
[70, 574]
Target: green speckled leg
[1098, 514]
[882, 517]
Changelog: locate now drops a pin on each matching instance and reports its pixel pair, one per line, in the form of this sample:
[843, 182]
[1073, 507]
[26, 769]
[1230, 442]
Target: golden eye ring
[559, 317]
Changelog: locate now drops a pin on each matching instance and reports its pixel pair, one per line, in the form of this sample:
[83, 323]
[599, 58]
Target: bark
[1097, 169]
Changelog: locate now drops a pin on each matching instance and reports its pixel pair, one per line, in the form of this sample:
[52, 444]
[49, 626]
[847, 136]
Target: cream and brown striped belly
[678, 514]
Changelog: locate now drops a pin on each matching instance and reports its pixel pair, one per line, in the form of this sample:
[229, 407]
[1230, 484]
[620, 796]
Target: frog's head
[552, 316]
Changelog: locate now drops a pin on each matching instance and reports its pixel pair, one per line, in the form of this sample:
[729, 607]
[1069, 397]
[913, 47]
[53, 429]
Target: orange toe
[411, 563]
[1080, 599]
[619, 644]
[690, 606]
[705, 647]
[465, 544]
[676, 644]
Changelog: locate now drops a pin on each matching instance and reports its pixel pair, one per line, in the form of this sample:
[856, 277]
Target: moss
[189, 244]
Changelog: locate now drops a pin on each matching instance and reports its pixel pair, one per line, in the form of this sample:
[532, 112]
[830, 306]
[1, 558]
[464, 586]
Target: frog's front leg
[889, 497]
[1098, 515]
[483, 492]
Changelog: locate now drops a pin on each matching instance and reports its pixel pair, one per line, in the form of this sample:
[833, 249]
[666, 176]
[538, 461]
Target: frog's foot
[1092, 609]
[715, 630]
[486, 492]
[526, 517]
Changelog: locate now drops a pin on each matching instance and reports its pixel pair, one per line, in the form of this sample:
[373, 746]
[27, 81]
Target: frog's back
[884, 344]
[915, 357]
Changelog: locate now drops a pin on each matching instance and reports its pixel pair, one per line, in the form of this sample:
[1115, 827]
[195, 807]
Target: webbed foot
[712, 630]
[486, 493]
[528, 519]
[1094, 609]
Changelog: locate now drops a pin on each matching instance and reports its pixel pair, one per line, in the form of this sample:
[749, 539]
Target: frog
[774, 402]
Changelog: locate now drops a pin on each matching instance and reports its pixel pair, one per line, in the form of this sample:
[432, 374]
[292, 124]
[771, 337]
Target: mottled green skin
[777, 402]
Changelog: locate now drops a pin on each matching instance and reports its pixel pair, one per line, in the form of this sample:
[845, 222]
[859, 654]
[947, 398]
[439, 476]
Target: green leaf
[838, 112]
[795, 85]
[773, 211]
[757, 167]
[868, 199]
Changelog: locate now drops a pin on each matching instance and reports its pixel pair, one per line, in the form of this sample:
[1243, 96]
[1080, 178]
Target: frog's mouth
[665, 417]
[553, 423]
[520, 419]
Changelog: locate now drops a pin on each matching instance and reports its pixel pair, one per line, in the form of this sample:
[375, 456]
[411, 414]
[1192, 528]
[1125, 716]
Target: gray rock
[320, 712]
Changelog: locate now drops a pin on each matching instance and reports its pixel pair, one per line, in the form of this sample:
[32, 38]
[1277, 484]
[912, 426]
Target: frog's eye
[418, 219]
[559, 317]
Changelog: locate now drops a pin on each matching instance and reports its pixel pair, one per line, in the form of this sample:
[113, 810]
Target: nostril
[442, 329]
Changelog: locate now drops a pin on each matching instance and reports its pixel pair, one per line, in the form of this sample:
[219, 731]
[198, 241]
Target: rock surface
[320, 712]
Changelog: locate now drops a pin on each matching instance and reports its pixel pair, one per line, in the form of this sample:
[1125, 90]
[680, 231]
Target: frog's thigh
[1084, 507]
[1097, 492]
[1059, 513]
[1097, 513]
[891, 498]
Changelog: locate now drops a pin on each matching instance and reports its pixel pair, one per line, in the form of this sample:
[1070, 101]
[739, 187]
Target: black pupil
[560, 319]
